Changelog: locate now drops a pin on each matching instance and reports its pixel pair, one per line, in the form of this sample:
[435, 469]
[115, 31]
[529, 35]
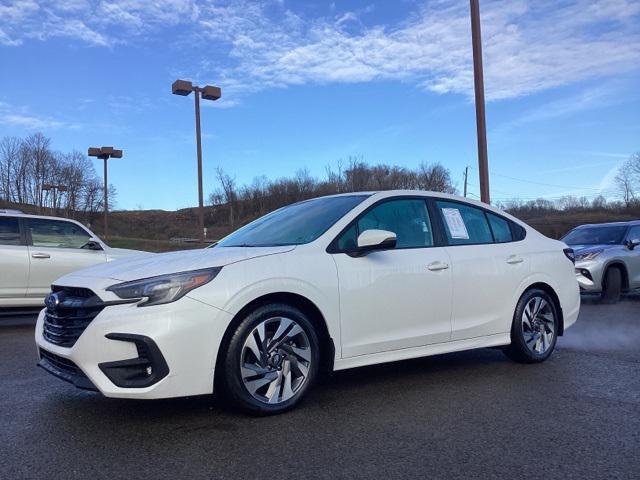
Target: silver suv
[607, 257]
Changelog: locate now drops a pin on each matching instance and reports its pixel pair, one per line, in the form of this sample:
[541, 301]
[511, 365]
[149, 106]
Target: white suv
[36, 250]
[330, 283]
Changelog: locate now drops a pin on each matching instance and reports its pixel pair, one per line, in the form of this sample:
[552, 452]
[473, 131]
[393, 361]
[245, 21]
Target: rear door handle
[40, 255]
[435, 266]
[513, 259]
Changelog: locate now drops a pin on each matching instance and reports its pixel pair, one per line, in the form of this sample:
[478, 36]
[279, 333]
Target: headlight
[165, 288]
[588, 255]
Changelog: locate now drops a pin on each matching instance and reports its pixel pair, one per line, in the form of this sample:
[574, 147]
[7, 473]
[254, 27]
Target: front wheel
[271, 361]
[535, 328]
[612, 285]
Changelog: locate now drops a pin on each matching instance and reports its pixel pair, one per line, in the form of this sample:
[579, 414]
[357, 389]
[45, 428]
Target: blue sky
[308, 83]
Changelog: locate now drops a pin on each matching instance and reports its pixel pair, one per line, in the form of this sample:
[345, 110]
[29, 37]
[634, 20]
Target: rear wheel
[272, 360]
[535, 328]
[612, 285]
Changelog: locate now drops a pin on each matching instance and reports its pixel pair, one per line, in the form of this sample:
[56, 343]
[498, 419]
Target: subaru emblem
[52, 301]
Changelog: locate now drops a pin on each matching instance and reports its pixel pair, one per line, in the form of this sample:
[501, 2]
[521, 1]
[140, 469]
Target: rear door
[14, 259]
[488, 265]
[55, 249]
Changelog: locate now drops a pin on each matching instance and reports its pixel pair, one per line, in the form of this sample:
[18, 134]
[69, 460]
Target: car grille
[65, 322]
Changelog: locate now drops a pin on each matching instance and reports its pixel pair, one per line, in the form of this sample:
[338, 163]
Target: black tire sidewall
[612, 285]
[234, 388]
[518, 348]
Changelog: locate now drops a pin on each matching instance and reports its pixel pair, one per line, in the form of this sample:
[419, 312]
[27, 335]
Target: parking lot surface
[464, 415]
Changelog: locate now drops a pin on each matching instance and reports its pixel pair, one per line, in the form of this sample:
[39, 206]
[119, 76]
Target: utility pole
[478, 83]
[466, 176]
[105, 153]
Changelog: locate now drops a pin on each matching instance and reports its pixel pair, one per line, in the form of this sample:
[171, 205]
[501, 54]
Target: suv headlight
[588, 255]
[164, 288]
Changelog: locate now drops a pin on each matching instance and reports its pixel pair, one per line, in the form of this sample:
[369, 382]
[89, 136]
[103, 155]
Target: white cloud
[529, 46]
[17, 116]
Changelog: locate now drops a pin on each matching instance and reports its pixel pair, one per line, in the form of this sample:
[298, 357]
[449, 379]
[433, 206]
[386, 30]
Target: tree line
[264, 195]
[28, 165]
[628, 180]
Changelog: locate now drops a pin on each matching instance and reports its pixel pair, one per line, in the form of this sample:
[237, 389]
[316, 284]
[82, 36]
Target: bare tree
[228, 185]
[26, 165]
[626, 181]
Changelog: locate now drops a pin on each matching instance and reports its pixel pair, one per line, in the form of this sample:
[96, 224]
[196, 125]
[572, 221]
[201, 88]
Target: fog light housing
[147, 369]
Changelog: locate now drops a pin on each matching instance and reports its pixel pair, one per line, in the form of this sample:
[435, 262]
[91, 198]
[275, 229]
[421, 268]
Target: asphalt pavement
[464, 415]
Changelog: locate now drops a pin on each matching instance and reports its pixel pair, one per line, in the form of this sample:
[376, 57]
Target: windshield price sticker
[456, 225]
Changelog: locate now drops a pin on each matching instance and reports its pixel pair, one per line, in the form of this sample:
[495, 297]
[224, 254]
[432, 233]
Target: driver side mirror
[92, 244]
[631, 244]
[372, 240]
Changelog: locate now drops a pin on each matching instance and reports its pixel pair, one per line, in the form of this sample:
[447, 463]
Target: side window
[407, 218]
[53, 233]
[500, 228]
[634, 233]
[518, 232]
[464, 224]
[9, 231]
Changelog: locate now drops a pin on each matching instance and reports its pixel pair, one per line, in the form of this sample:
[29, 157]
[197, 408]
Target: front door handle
[40, 255]
[514, 259]
[435, 266]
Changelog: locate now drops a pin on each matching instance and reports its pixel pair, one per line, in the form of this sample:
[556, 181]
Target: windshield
[295, 224]
[595, 236]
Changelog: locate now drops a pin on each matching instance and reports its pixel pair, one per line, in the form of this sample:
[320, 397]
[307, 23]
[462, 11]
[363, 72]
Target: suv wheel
[272, 360]
[535, 328]
[612, 285]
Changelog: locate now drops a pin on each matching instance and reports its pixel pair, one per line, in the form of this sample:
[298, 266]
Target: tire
[535, 312]
[612, 285]
[271, 361]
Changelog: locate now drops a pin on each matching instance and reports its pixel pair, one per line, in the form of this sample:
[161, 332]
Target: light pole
[49, 187]
[184, 88]
[105, 153]
[478, 83]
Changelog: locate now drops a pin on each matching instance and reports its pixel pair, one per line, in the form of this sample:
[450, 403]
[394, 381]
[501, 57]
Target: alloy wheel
[275, 360]
[538, 325]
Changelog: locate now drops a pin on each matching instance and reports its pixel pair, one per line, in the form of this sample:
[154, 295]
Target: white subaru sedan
[325, 284]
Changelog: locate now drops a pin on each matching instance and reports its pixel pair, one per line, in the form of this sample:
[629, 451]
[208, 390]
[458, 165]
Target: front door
[55, 250]
[398, 298]
[633, 259]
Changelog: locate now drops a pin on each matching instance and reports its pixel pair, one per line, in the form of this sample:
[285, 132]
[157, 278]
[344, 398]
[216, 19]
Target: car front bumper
[589, 276]
[184, 336]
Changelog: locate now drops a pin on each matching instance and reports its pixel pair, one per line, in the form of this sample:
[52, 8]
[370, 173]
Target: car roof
[628, 223]
[16, 213]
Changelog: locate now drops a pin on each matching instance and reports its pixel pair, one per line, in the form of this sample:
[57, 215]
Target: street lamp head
[181, 87]
[211, 93]
[104, 152]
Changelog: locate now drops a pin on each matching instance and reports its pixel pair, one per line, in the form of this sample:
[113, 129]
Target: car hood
[145, 266]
